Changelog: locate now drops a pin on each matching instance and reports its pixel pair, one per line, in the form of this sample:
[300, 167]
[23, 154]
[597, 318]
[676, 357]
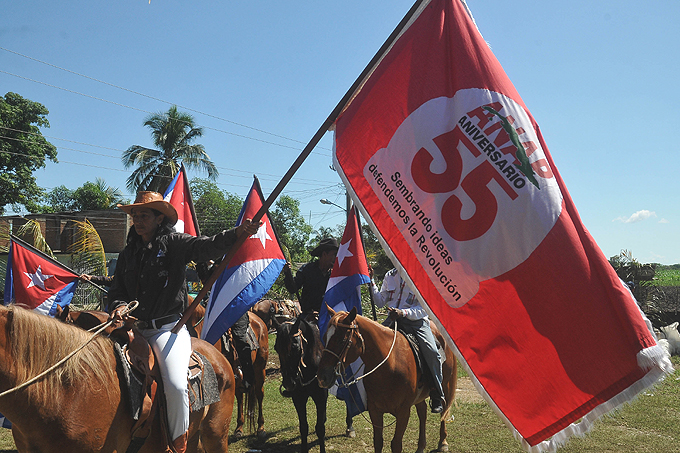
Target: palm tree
[172, 134]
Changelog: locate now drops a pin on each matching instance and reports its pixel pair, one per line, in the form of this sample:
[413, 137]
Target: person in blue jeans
[412, 318]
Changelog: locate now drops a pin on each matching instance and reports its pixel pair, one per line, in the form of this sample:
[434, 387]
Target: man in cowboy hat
[151, 269]
[313, 277]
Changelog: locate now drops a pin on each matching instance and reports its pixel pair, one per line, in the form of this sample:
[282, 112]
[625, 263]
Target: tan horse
[395, 385]
[259, 359]
[79, 408]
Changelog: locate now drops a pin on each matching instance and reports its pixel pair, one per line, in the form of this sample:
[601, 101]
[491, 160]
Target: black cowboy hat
[324, 244]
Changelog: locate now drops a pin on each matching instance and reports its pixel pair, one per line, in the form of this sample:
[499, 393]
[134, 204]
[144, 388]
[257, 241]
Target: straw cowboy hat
[152, 200]
[324, 244]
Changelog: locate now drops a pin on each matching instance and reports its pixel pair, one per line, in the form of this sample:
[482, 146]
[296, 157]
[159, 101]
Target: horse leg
[215, 426]
[350, 432]
[320, 398]
[421, 410]
[259, 392]
[300, 402]
[399, 429]
[377, 422]
[240, 415]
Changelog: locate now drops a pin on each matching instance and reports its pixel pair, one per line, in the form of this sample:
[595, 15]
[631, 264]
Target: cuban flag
[450, 170]
[178, 194]
[350, 271]
[37, 282]
[249, 275]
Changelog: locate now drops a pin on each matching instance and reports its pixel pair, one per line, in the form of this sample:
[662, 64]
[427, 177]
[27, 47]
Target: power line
[152, 97]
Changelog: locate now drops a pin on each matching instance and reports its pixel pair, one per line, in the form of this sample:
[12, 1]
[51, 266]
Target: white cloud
[664, 221]
[636, 217]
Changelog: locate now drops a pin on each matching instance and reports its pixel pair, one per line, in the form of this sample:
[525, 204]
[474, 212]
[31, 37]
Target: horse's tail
[250, 405]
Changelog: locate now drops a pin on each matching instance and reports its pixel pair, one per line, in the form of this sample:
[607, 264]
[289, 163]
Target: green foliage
[173, 133]
[216, 210]
[293, 231]
[667, 275]
[23, 150]
[90, 196]
[87, 257]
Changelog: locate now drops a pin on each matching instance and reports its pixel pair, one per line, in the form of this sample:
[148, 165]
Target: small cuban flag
[178, 195]
[36, 281]
[349, 272]
[248, 276]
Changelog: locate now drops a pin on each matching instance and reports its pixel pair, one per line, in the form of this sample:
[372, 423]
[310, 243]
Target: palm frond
[32, 228]
[87, 257]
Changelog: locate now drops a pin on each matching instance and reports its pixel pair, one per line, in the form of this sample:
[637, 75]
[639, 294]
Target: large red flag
[451, 171]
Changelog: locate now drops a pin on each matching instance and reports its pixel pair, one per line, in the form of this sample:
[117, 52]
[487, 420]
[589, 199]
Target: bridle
[301, 363]
[339, 368]
[352, 330]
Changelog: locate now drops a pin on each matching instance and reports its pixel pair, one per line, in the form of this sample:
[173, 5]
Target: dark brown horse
[79, 407]
[395, 385]
[259, 359]
[281, 311]
[299, 347]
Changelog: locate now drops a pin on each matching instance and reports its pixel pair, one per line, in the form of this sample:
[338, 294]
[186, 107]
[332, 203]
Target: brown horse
[80, 407]
[269, 310]
[259, 360]
[395, 385]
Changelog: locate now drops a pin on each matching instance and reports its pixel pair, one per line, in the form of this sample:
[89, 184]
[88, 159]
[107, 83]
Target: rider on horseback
[151, 269]
[403, 305]
[313, 277]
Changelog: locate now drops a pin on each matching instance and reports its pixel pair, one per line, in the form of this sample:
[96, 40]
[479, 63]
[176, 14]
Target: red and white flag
[450, 169]
[178, 194]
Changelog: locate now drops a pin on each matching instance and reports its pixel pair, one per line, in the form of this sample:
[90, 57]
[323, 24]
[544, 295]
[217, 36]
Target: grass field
[650, 424]
[666, 276]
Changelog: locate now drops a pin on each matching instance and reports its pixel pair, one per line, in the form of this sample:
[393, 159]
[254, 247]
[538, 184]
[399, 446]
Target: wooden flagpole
[52, 260]
[298, 162]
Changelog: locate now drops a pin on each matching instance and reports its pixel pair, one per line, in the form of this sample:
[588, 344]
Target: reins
[131, 306]
[341, 358]
[343, 353]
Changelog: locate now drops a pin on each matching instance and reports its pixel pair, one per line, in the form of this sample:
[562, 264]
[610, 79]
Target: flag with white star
[249, 275]
[343, 292]
[36, 282]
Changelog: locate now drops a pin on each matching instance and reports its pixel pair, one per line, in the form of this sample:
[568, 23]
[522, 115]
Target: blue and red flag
[178, 194]
[350, 271]
[37, 282]
[248, 276]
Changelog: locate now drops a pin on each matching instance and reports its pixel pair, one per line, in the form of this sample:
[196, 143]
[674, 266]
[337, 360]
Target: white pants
[173, 352]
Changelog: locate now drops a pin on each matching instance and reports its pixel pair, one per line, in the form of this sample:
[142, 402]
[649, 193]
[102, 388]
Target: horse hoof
[444, 447]
[261, 434]
[238, 434]
[351, 433]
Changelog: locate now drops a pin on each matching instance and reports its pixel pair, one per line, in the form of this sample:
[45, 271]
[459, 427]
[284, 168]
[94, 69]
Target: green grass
[666, 276]
[650, 424]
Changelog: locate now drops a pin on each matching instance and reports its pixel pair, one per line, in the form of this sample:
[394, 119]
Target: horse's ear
[62, 312]
[331, 312]
[352, 316]
[275, 322]
[296, 324]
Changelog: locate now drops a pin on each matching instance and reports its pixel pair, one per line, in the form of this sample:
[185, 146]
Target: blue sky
[601, 79]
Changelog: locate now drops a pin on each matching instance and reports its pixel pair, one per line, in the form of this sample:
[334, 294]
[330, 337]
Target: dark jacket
[154, 274]
[313, 283]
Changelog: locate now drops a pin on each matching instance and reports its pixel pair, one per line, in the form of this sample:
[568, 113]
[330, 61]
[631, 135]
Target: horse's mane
[38, 342]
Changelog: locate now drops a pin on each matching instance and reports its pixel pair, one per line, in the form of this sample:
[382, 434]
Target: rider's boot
[180, 444]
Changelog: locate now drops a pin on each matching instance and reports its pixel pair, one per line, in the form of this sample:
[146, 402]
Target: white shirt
[396, 293]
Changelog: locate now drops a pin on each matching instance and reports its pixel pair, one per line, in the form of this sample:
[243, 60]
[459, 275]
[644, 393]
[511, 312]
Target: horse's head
[298, 347]
[344, 344]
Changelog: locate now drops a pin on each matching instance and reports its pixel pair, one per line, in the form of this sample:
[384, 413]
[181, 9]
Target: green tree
[294, 232]
[59, 199]
[97, 196]
[173, 133]
[23, 150]
[91, 196]
[216, 210]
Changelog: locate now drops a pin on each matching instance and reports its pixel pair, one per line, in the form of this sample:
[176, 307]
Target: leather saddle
[142, 383]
